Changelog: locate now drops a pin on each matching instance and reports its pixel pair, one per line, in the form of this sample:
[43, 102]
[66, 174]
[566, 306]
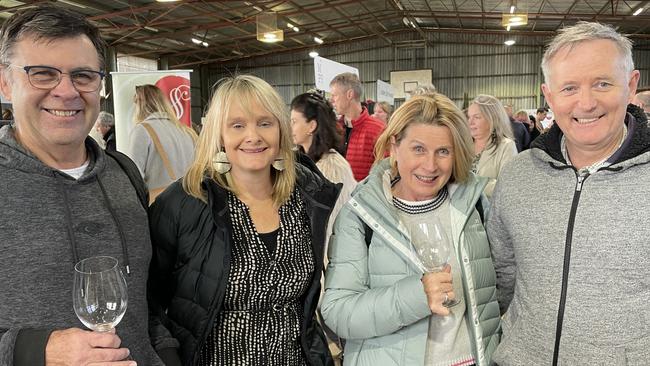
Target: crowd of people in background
[289, 236]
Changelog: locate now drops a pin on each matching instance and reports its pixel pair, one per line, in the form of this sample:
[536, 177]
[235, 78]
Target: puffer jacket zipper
[567, 261]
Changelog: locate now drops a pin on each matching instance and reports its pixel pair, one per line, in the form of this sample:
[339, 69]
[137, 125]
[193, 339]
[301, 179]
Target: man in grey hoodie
[575, 276]
[63, 199]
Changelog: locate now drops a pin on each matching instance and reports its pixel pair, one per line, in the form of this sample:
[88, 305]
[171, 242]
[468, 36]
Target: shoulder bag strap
[159, 148]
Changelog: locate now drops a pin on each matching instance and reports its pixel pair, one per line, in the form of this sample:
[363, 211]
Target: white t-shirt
[76, 173]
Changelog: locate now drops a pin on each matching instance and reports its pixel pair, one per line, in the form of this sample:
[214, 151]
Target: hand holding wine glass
[100, 294]
[434, 249]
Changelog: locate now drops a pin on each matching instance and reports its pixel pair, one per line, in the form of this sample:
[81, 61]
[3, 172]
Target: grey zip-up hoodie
[48, 222]
[546, 226]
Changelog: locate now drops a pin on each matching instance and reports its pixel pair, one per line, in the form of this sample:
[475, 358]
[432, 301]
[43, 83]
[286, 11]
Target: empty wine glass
[432, 247]
[99, 293]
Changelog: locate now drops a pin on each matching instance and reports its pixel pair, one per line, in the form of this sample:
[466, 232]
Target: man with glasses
[63, 198]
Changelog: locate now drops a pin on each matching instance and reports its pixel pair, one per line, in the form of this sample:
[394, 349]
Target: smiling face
[588, 94]
[58, 119]
[425, 161]
[479, 126]
[251, 138]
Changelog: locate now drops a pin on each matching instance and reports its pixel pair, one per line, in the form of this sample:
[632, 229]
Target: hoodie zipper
[567, 261]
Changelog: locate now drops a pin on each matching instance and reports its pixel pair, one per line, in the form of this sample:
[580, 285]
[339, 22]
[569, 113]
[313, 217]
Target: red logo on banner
[177, 89]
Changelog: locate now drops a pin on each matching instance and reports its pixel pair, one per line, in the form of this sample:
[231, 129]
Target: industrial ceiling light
[638, 11]
[313, 54]
[514, 20]
[318, 40]
[267, 28]
[509, 42]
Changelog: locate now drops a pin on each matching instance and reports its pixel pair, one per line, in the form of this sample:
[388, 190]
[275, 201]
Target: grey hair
[47, 23]
[349, 81]
[106, 119]
[425, 89]
[495, 114]
[588, 31]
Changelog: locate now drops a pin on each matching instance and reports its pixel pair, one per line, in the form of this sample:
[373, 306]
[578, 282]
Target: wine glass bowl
[99, 293]
[432, 247]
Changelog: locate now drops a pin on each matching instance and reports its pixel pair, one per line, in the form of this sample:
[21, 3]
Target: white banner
[325, 70]
[175, 84]
[385, 92]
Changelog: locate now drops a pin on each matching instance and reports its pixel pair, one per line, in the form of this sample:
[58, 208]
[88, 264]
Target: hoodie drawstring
[68, 220]
[125, 251]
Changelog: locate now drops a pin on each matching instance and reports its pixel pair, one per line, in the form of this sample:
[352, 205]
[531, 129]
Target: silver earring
[220, 163]
[278, 164]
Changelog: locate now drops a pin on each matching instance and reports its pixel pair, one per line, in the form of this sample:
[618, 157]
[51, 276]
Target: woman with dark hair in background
[313, 124]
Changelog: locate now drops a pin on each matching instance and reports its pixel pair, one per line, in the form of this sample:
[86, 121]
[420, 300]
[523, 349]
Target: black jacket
[192, 246]
[109, 138]
[520, 134]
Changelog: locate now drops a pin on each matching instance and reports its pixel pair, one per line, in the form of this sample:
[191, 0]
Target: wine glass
[99, 294]
[432, 247]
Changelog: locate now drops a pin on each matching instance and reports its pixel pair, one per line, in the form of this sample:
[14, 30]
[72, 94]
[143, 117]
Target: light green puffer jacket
[373, 295]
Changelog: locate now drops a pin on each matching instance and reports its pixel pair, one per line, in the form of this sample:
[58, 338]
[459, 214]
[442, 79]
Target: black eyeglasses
[47, 77]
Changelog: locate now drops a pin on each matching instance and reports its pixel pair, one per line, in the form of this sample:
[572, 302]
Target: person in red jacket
[361, 129]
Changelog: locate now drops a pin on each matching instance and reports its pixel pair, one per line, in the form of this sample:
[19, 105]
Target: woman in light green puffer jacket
[376, 296]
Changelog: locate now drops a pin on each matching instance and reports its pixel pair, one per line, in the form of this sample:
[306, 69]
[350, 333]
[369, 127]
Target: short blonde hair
[385, 107]
[433, 109]
[522, 112]
[496, 116]
[245, 90]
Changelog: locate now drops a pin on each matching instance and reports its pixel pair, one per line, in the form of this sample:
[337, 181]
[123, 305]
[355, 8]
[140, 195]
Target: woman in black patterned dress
[238, 242]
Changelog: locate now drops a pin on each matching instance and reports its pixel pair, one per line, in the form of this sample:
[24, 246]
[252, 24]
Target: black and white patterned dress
[259, 323]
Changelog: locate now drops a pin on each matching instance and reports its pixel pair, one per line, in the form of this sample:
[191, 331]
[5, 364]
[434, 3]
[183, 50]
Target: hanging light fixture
[267, 28]
[514, 20]
[514, 17]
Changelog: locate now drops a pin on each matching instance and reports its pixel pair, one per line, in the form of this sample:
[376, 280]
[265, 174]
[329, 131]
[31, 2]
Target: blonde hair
[149, 99]
[433, 109]
[385, 107]
[521, 112]
[245, 90]
[496, 116]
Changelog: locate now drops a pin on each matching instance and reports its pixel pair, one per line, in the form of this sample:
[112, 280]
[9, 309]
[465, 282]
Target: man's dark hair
[47, 23]
[542, 110]
[315, 107]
